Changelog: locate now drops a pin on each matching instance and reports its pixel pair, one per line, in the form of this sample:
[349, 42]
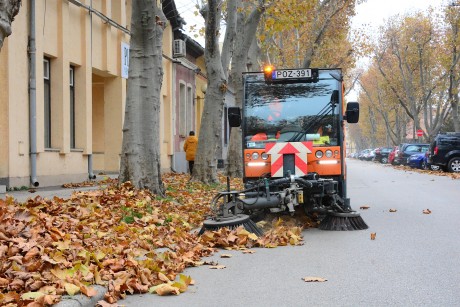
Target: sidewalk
[50, 192]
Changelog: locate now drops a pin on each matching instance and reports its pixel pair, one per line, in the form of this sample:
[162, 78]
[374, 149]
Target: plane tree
[140, 155]
[8, 10]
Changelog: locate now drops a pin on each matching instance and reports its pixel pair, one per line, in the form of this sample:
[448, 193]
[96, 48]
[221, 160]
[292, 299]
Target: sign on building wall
[124, 60]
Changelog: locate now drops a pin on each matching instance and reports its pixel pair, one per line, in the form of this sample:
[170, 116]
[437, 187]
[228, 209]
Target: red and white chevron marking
[277, 150]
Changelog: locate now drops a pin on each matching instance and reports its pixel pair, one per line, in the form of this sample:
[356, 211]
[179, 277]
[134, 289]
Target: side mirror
[234, 116]
[352, 113]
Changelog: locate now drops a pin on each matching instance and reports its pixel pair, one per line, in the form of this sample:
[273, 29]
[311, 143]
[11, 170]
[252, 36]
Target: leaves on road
[218, 267]
[437, 173]
[365, 207]
[373, 234]
[427, 211]
[314, 279]
[393, 210]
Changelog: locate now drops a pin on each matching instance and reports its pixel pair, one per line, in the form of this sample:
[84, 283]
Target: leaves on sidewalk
[125, 239]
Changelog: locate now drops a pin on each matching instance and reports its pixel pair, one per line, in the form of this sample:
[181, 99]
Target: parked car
[381, 154]
[416, 160]
[408, 149]
[445, 151]
[391, 155]
[363, 154]
[428, 166]
[367, 155]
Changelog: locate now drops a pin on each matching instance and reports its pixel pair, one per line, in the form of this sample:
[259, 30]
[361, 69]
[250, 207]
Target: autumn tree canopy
[412, 80]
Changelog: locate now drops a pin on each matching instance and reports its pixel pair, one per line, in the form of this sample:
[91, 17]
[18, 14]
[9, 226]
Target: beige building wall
[68, 35]
[166, 124]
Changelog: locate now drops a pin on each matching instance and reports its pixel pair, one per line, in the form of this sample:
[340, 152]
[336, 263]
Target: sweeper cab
[293, 144]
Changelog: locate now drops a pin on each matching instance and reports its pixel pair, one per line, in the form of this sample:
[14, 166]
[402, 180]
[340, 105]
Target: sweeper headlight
[264, 156]
[255, 156]
[328, 153]
[319, 154]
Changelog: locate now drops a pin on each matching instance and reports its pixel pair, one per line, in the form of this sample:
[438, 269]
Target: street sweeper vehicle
[293, 143]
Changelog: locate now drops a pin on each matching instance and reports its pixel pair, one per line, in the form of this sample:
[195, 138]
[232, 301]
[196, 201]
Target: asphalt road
[414, 260]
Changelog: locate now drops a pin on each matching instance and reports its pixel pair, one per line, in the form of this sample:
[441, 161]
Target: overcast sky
[372, 13]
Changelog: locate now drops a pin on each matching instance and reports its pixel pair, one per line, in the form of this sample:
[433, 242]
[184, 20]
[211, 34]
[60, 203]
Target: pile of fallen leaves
[90, 183]
[431, 172]
[125, 239]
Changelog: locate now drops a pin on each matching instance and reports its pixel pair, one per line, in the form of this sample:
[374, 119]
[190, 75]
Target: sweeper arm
[234, 208]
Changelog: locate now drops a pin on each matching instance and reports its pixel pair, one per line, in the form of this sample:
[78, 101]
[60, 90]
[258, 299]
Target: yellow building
[66, 125]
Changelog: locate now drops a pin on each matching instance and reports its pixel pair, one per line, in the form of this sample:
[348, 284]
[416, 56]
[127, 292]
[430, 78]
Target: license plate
[291, 74]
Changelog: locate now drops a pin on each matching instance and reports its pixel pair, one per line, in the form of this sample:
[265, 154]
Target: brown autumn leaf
[226, 256]
[427, 211]
[314, 279]
[102, 303]
[393, 210]
[210, 263]
[373, 234]
[218, 267]
[364, 207]
[166, 289]
[248, 251]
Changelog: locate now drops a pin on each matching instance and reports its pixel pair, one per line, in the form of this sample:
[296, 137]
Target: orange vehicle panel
[263, 167]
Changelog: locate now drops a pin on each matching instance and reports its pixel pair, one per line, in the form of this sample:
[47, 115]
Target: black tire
[384, 160]
[454, 165]
[425, 166]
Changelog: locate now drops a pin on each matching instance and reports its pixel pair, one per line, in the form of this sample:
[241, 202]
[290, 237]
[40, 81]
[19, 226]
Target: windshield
[291, 112]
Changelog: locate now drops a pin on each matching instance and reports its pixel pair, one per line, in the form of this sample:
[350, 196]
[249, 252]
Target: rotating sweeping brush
[342, 221]
[231, 222]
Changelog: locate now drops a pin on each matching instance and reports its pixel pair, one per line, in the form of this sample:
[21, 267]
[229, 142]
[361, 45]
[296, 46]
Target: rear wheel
[454, 165]
[434, 167]
[384, 160]
[425, 165]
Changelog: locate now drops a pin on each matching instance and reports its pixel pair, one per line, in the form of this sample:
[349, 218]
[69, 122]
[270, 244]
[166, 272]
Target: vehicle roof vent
[178, 48]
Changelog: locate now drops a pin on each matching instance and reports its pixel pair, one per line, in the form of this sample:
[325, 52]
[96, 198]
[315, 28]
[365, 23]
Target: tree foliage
[412, 80]
[308, 34]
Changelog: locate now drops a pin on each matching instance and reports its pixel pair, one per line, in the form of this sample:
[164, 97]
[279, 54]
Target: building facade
[62, 102]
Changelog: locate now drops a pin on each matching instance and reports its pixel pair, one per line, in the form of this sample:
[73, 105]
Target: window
[182, 110]
[225, 126]
[189, 109]
[47, 102]
[72, 107]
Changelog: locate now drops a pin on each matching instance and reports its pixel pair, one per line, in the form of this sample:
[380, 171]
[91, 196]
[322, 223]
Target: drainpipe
[90, 156]
[173, 114]
[90, 167]
[32, 97]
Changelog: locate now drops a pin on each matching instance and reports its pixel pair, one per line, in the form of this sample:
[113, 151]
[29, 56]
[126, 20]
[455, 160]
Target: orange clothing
[261, 136]
[190, 145]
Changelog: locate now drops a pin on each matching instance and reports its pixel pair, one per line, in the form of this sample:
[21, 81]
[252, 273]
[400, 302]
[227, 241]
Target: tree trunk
[209, 140]
[8, 10]
[246, 29]
[140, 156]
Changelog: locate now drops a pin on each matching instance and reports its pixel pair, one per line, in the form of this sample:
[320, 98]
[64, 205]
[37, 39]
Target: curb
[81, 300]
